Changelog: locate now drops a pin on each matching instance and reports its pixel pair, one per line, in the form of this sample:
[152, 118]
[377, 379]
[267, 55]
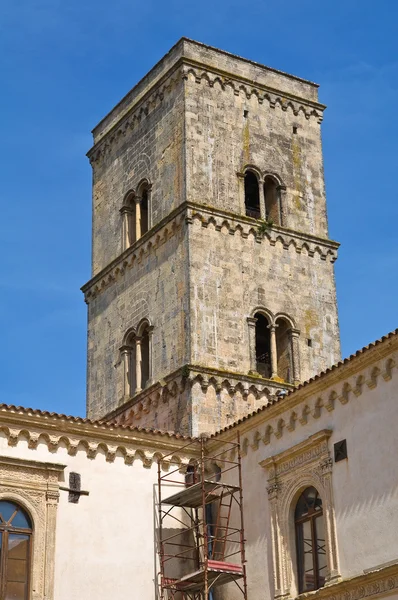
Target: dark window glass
[15, 540]
[7, 509]
[144, 212]
[263, 346]
[310, 541]
[252, 196]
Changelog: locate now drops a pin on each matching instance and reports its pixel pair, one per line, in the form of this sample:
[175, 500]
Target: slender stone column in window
[125, 351]
[137, 219]
[294, 337]
[274, 357]
[150, 366]
[126, 213]
[251, 321]
[281, 191]
[138, 361]
[263, 212]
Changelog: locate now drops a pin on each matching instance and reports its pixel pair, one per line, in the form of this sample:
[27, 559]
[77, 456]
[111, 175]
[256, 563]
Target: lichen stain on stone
[246, 142]
[297, 173]
[310, 320]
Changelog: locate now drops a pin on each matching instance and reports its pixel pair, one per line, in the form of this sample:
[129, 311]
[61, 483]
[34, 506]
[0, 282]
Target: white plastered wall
[105, 543]
[365, 486]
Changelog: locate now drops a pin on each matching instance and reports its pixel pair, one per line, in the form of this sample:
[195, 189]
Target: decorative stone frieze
[197, 388]
[264, 94]
[380, 582]
[189, 213]
[302, 412]
[130, 444]
[134, 116]
[185, 69]
[306, 464]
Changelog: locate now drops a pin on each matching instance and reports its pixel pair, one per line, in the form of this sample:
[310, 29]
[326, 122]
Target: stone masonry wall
[232, 275]
[231, 123]
[191, 127]
[151, 147]
[153, 286]
[221, 142]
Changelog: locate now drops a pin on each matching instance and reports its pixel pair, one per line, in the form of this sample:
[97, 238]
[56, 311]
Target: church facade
[226, 453]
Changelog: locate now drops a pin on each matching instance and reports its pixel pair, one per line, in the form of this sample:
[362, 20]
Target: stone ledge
[180, 70]
[179, 384]
[189, 212]
[382, 581]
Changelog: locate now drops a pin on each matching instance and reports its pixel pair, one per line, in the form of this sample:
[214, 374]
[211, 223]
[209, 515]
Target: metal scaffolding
[201, 542]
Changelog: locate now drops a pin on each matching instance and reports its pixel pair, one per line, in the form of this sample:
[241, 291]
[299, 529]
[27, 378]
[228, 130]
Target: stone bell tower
[212, 284]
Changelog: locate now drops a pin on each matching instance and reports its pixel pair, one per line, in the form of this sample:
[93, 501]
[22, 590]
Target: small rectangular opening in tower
[309, 343]
[294, 128]
[245, 113]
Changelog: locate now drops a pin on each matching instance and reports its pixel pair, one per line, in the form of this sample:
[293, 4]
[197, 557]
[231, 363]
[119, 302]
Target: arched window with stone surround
[143, 203]
[128, 212]
[252, 195]
[15, 551]
[144, 336]
[272, 207]
[136, 354]
[128, 352]
[135, 213]
[274, 351]
[263, 345]
[310, 541]
[284, 350]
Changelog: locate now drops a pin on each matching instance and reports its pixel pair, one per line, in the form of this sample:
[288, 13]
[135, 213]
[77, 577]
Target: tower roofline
[188, 50]
[248, 60]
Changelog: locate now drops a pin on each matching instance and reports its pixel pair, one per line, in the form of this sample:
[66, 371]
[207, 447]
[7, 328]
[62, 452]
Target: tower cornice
[191, 212]
[142, 99]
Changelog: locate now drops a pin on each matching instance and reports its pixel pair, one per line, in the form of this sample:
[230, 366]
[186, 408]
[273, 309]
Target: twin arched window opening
[263, 198]
[15, 551]
[135, 214]
[137, 360]
[310, 541]
[274, 348]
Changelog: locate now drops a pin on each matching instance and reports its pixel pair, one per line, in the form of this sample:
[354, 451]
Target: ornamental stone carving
[34, 485]
[306, 464]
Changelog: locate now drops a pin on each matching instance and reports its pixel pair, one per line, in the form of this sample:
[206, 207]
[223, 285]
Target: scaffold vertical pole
[160, 542]
[242, 526]
[204, 520]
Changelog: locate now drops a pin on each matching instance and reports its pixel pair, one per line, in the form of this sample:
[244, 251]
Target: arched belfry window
[145, 341]
[263, 346]
[136, 214]
[128, 212]
[136, 354]
[15, 551]
[284, 350]
[144, 204]
[252, 195]
[272, 201]
[310, 541]
[274, 351]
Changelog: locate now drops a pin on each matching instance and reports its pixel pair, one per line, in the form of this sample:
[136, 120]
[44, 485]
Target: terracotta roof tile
[84, 421]
[109, 426]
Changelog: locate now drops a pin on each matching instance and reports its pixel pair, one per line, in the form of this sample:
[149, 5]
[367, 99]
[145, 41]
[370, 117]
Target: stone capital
[295, 332]
[126, 210]
[251, 321]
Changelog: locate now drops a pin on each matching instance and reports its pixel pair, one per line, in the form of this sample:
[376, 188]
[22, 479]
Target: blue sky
[63, 66]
